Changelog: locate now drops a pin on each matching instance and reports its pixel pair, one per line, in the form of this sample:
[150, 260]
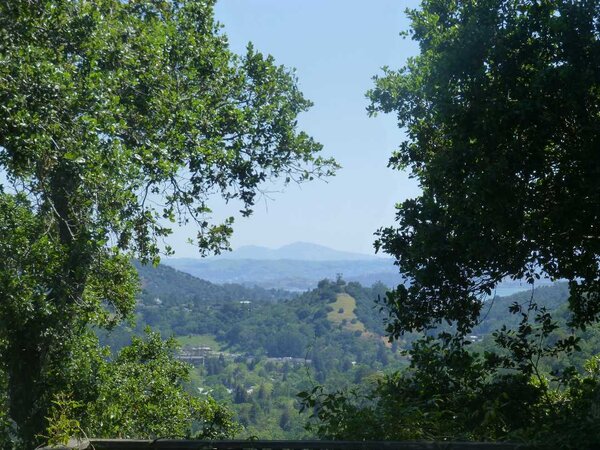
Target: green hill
[173, 287]
[256, 321]
[261, 347]
[495, 312]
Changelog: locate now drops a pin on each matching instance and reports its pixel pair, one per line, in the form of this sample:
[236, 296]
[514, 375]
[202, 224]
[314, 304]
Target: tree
[119, 118]
[145, 380]
[451, 392]
[4, 418]
[137, 394]
[502, 114]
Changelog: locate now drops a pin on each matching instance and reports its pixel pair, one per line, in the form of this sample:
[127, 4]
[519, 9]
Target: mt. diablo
[300, 251]
[296, 266]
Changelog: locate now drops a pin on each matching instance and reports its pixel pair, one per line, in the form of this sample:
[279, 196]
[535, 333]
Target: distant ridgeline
[173, 287]
[495, 312]
[296, 267]
[296, 275]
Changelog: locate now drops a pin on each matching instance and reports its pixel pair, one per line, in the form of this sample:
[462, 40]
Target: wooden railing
[173, 444]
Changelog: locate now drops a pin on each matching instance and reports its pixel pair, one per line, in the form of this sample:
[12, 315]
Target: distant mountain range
[301, 265]
[299, 251]
[296, 267]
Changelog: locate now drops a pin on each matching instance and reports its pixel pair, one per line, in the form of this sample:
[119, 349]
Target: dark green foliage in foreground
[502, 112]
[520, 388]
[141, 396]
[4, 417]
[502, 115]
[532, 381]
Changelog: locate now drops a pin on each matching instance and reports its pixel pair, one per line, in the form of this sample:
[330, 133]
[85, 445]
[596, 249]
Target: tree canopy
[120, 118]
[502, 114]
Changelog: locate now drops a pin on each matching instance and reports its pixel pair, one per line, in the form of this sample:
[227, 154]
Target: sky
[336, 46]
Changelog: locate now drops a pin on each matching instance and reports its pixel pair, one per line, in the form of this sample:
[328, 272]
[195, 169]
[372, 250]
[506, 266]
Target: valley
[253, 349]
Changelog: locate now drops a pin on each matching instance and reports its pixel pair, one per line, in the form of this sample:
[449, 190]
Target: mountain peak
[301, 251]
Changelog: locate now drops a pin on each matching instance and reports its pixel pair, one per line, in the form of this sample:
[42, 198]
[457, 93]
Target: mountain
[294, 267]
[300, 251]
[301, 265]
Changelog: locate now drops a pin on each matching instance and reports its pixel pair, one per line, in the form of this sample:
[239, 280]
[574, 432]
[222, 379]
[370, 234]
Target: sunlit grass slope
[346, 304]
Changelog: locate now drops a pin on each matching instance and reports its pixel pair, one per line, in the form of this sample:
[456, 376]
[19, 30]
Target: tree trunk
[39, 352]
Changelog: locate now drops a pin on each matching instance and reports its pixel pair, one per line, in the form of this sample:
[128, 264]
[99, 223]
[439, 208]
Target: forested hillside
[495, 313]
[256, 355]
[172, 287]
[257, 321]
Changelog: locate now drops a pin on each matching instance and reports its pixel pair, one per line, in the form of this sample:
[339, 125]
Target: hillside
[555, 299]
[288, 274]
[168, 286]
[495, 313]
[343, 313]
[250, 321]
[256, 354]
[245, 319]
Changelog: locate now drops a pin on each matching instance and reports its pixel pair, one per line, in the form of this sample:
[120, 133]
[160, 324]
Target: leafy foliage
[119, 118]
[452, 393]
[140, 395]
[5, 425]
[62, 425]
[501, 110]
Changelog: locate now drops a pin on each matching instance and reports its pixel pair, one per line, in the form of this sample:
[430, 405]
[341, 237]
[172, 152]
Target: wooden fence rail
[174, 444]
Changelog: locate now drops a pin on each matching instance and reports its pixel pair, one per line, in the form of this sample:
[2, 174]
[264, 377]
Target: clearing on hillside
[346, 304]
[199, 340]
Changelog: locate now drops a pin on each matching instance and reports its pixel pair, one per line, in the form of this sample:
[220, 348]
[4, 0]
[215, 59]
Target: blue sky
[336, 47]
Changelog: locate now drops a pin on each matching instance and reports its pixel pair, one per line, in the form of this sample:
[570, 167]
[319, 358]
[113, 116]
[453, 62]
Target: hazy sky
[336, 47]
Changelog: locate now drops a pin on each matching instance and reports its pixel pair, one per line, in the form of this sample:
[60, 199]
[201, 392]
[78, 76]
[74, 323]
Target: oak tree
[502, 116]
[120, 118]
